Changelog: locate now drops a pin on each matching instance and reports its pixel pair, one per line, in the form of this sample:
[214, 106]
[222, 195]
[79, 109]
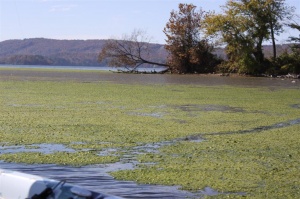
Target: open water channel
[9, 72]
[96, 177]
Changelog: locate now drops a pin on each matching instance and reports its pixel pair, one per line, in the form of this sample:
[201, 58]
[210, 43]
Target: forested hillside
[60, 52]
[41, 51]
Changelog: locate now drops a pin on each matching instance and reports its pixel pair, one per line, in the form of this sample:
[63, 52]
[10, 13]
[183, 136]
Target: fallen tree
[130, 52]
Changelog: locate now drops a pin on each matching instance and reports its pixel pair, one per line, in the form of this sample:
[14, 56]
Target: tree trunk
[273, 41]
[258, 54]
[143, 61]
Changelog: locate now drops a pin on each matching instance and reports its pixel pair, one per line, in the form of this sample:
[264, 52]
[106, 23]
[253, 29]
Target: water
[100, 68]
[40, 148]
[96, 178]
[261, 128]
[9, 72]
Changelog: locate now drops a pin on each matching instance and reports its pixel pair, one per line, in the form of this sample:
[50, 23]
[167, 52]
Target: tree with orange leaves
[189, 52]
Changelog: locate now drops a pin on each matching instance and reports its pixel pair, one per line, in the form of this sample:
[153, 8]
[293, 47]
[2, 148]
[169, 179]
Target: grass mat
[232, 139]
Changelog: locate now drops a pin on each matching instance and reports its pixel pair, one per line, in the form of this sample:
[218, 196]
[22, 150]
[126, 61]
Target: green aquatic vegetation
[262, 164]
[101, 115]
[100, 146]
[32, 147]
[63, 158]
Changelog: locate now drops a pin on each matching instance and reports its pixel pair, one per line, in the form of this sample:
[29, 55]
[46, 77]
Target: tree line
[193, 34]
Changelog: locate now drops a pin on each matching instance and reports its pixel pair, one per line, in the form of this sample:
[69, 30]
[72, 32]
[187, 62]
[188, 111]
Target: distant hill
[40, 51]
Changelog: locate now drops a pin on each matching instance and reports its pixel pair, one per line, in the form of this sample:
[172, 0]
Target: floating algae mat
[239, 141]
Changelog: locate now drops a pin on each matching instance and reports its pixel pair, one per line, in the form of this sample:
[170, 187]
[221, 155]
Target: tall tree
[189, 52]
[276, 11]
[237, 29]
[244, 26]
[130, 52]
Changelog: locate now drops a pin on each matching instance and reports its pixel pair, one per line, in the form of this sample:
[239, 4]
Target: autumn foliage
[189, 52]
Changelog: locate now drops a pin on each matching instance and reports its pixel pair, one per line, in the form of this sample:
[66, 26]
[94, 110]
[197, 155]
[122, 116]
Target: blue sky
[95, 19]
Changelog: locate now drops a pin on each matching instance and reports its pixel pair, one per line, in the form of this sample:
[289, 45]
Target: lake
[100, 68]
[65, 73]
[96, 177]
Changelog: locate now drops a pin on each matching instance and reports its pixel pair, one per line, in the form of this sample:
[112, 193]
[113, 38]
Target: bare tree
[130, 52]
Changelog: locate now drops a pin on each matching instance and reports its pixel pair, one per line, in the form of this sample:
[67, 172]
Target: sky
[97, 19]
